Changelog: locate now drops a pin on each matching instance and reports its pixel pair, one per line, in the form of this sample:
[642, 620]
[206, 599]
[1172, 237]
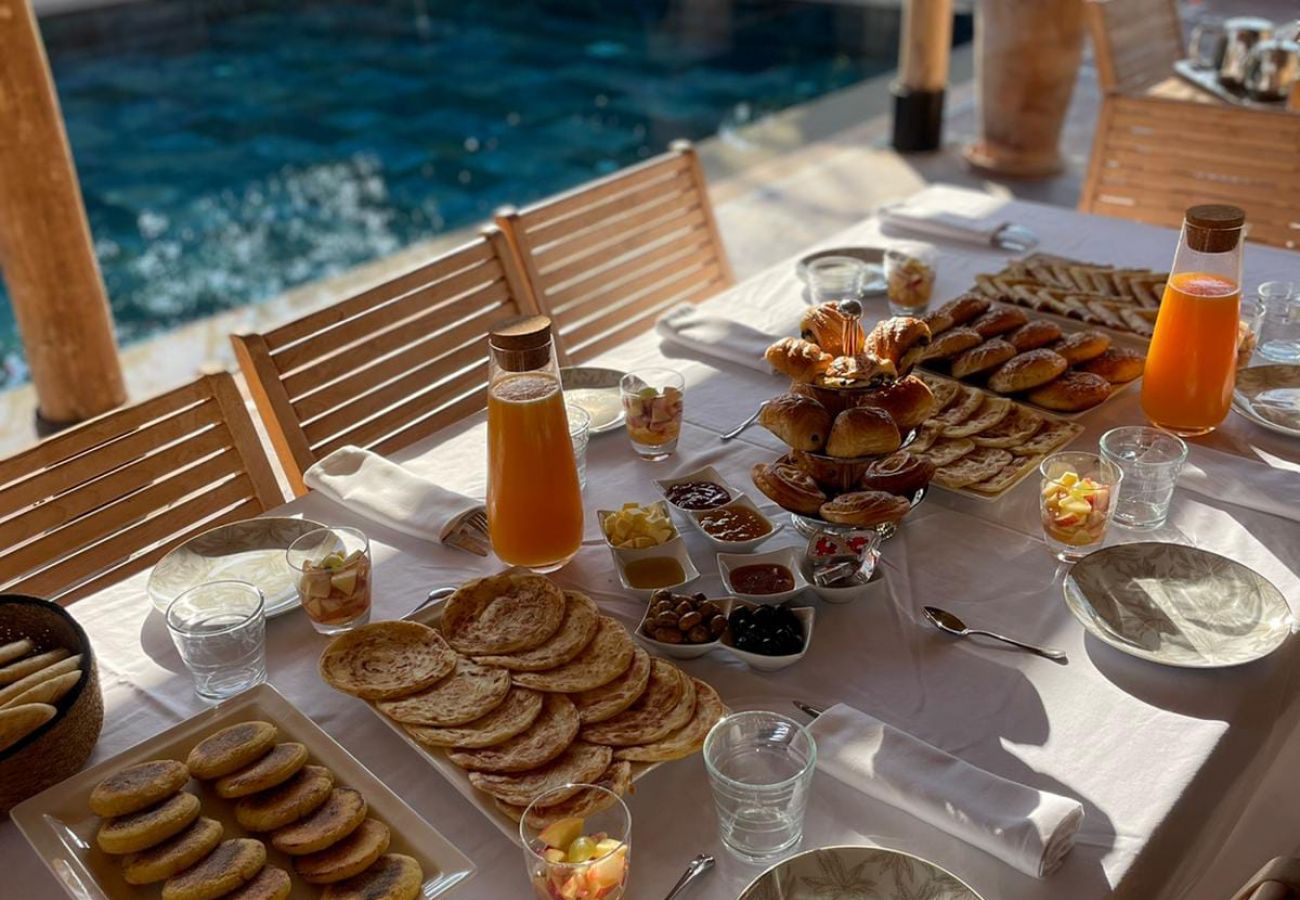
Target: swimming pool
[231, 149]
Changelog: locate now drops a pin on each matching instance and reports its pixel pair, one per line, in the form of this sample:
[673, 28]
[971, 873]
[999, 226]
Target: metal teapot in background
[1226, 47]
[1272, 68]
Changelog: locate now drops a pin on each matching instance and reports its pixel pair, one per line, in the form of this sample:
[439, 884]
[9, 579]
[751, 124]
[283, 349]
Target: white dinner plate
[252, 551]
[1270, 397]
[874, 257]
[857, 873]
[595, 390]
[61, 828]
[1177, 605]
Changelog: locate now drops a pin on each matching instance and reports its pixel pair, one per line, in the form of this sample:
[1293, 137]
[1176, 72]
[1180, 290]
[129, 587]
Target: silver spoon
[698, 867]
[745, 424]
[951, 623]
[441, 593]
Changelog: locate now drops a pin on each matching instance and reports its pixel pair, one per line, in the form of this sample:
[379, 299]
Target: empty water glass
[760, 767]
[1150, 460]
[219, 629]
[1279, 337]
[835, 278]
[580, 435]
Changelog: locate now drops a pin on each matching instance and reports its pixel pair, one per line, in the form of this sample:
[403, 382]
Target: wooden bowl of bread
[51, 708]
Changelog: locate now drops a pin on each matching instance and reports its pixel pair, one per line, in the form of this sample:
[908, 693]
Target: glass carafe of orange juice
[1191, 365]
[534, 502]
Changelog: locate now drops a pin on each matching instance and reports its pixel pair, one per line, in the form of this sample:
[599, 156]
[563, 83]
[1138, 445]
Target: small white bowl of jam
[765, 578]
[667, 566]
[702, 489]
[736, 527]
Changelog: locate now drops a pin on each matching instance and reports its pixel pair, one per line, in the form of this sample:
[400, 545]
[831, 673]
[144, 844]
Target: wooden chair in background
[388, 366]
[1154, 157]
[1135, 42]
[109, 497]
[607, 258]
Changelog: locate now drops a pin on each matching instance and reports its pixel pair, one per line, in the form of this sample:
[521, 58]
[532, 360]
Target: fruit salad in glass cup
[652, 401]
[574, 858]
[332, 566]
[1077, 500]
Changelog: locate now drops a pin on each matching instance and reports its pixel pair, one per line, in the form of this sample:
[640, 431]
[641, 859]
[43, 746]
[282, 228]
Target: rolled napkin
[384, 492]
[951, 214]
[1026, 828]
[716, 336]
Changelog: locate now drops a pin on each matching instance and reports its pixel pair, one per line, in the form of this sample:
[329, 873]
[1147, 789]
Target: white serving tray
[61, 828]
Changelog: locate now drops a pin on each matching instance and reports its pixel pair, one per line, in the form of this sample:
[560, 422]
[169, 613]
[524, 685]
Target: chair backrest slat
[1135, 42]
[605, 259]
[370, 367]
[81, 509]
[1154, 157]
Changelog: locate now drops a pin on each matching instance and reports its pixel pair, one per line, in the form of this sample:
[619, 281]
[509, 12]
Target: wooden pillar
[1027, 58]
[45, 247]
[924, 51]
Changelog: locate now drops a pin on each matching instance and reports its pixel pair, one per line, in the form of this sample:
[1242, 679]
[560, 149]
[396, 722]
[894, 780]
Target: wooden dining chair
[1154, 157]
[607, 258]
[107, 498]
[1135, 42]
[1278, 880]
[388, 366]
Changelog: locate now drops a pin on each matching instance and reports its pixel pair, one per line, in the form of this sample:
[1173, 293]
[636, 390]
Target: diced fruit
[345, 582]
[1075, 509]
[581, 850]
[554, 855]
[609, 871]
[561, 833]
[606, 846]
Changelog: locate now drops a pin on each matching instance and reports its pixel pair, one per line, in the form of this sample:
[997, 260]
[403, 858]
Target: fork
[471, 534]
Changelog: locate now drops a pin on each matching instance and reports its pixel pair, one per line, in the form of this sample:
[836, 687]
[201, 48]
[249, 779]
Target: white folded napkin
[384, 492]
[716, 336]
[947, 214]
[1026, 828]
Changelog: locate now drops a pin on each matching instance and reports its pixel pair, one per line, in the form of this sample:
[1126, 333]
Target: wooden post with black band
[46, 252]
[924, 50]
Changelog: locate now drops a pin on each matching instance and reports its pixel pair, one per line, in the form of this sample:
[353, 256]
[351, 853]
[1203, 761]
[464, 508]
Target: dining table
[1165, 761]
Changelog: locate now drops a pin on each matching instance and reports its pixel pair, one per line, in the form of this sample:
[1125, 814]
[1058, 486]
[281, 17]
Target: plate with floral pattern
[857, 873]
[1270, 396]
[1177, 605]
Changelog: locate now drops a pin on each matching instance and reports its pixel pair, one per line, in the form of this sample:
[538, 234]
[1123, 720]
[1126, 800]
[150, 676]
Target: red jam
[735, 523]
[764, 578]
[697, 495]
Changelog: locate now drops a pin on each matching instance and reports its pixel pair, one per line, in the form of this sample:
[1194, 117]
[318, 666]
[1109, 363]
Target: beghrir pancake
[174, 855]
[609, 700]
[282, 763]
[328, 824]
[604, 659]
[135, 787]
[581, 616]
[387, 659]
[394, 876]
[686, 740]
[231, 749]
[288, 802]
[503, 613]
[350, 856]
[141, 830]
[470, 692]
[226, 868]
[581, 764]
[516, 714]
[666, 705]
[548, 737]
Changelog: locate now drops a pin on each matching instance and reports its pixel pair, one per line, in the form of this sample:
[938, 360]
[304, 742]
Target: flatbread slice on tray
[1048, 438]
[503, 613]
[582, 763]
[601, 661]
[963, 405]
[946, 451]
[609, 700]
[386, 659]
[989, 413]
[470, 692]
[1007, 475]
[617, 779]
[686, 740]
[1019, 426]
[516, 714]
[978, 465]
[578, 627]
[548, 737]
[667, 704]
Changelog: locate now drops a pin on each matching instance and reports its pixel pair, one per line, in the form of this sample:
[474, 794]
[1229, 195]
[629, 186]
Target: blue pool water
[229, 150]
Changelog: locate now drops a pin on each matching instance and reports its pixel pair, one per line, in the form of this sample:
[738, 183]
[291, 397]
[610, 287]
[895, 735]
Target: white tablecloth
[1162, 759]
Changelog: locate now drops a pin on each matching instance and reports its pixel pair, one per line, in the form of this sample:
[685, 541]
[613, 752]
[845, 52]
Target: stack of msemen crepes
[1126, 299]
[528, 688]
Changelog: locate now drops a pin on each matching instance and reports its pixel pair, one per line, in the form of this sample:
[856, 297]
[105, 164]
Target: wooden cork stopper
[1214, 227]
[522, 343]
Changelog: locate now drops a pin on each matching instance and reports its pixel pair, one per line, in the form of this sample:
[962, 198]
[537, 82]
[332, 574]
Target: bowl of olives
[768, 637]
[683, 626]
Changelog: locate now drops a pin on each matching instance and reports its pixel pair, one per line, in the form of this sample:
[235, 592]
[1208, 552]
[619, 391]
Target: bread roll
[909, 401]
[800, 421]
[825, 326]
[1027, 370]
[1034, 334]
[865, 508]
[864, 431]
[965, 308]
[999, 320]
[1118, 365]
[798, 359]
[1072, 392]
[788, 487]
[952, 342]
[1081, 346]
[899, 473]
[892, 338]
[987, 355]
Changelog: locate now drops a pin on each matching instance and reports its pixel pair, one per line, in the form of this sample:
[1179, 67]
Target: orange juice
[534, 501]
[1191, 365]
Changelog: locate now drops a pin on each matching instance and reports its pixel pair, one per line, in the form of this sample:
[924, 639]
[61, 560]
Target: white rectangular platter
[457, 777]
[61, 828]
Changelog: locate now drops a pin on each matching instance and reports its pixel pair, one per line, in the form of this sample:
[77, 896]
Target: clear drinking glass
[909, 279]
[1150, 460]
[652, 400]
[1252, 321]
[580, 435]
[760, 767]
[835, 278]
[1279, 335]
[219, 629]
[1076, 502]
[592, 857]
[333, 566]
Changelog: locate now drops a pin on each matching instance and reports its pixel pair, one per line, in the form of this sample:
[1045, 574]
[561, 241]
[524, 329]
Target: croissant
[798, 359]
[824, 325]
[900, 473]
[865, 508]
[909, 401]
[788, 487]
[860, 370]
[894, 337]
[864, 431]
[801, 422]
